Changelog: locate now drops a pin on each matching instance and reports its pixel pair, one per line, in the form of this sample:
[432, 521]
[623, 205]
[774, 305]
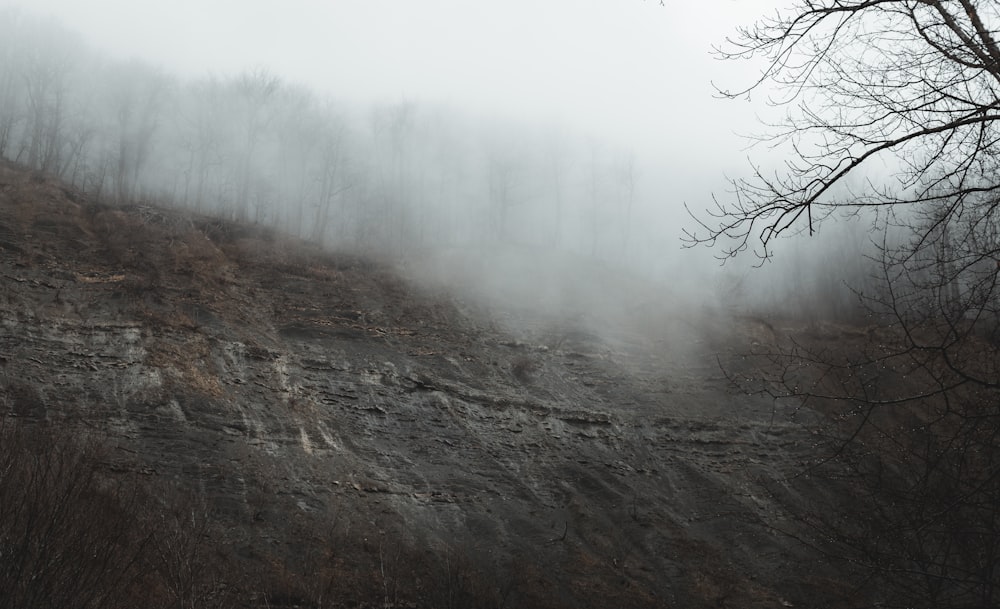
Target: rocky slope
[308, 396]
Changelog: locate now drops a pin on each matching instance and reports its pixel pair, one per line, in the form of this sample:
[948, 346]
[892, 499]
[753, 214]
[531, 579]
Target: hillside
[344, 430]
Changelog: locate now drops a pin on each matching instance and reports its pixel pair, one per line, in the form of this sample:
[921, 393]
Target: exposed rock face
[304, 392]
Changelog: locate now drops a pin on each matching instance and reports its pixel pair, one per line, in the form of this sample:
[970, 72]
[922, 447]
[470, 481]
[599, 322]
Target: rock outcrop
[305, 394]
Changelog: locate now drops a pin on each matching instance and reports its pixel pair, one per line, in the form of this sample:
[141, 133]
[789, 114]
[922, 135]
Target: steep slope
[316, 399]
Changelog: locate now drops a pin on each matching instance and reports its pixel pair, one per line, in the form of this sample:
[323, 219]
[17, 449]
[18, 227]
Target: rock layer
[302, 392]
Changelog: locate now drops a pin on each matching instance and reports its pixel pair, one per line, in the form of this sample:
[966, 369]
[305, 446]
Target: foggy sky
[635, 73]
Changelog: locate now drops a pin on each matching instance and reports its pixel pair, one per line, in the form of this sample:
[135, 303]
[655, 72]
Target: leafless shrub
[185, 558]
[69, 536]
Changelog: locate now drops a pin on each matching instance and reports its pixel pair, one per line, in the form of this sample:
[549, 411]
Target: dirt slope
[309, 395]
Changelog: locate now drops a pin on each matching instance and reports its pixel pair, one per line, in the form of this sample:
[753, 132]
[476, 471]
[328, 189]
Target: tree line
[254, 147]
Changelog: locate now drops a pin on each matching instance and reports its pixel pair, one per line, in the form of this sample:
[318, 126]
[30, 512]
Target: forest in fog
[396, 179]
[254, 147]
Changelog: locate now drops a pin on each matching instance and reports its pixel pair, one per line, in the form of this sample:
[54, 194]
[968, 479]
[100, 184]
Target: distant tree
[202, 124]
[255, 90]
[400, 122]
[595, 196]
[45, 60]
[137, 95]
[503, 182]
[331, 176]
[448, 163]
[10, 98]
[555, 155]
[625, 177]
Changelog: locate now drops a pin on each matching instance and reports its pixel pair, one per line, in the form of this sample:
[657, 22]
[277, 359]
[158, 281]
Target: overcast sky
[630, 71]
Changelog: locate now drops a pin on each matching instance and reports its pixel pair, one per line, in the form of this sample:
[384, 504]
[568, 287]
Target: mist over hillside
[445, 188]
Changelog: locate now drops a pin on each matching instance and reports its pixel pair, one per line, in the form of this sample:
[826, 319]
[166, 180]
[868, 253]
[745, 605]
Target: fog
[523, 150]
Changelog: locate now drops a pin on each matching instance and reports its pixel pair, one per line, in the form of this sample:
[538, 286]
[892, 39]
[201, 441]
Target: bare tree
[332, 178]
[556, 160]
[255, 91]
[10, 94]
[909, 85]
[595, 179]
[199, 136]
[906, 96]
[137, 98]
[504, 183]
[45, 62]
[625, 178]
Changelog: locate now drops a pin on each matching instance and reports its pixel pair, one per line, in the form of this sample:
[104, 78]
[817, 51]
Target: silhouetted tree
[45, 64]
[10, 98]
[137, 96]
[905, 95]
[911, 86]
[556, 159]
[625, 181]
